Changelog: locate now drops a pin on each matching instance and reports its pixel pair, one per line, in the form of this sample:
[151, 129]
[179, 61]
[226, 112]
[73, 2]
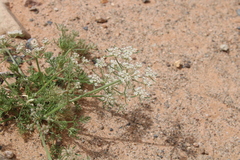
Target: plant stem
[95, 91]
[54, 110]
[14, 62]
[39, 70]
[45, 146]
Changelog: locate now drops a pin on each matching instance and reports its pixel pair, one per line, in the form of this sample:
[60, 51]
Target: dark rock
[101, 20]
[34, 9]
[146, 1]
[49, 22]
[111, 129]
[85, 28]
[187, 64]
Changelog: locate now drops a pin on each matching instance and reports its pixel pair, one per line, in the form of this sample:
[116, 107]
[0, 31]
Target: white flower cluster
[117, 66]
[95, 79]
[2, 37]
[15, 33]
[139, 91]
[74, 57]
[100, 63]
[45, 41]
[19, 48]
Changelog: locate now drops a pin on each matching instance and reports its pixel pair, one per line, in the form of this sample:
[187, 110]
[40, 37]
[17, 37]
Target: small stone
[178, 64]
[104, 26]
[85, 28]
[187, 64]
[55, 9]
[31, 20]
[224, 47]
[146, 1]
[32, 43]
[49, 22]
[168, 64]
[111, 129]
[155, 136]
[238, 28]
[8, 154]
[196, 145]
[34, 9]
[101, 20]
[238, 12]
[104, 1]
[101, 127]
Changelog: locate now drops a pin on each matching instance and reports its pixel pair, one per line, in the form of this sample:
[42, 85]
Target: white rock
[224, 47]
[8, 154]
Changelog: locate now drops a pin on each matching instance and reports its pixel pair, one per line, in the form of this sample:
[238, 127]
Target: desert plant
[47, 99]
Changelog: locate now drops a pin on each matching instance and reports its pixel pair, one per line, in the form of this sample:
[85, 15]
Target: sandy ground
[193, 113]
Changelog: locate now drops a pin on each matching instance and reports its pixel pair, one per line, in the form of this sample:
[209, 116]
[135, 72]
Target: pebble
[146, 1]
[238, 12]
[178, 64]
[187, 64]
[224, 47]
[101, 20]
[31, 20]
[155, 136]
[3, 158]
[196, 145]
[34, 9]
[104, 1]
[49, 22]
[55, 9]
[32, 43]
[111, 129]
[8, 154]
[85, 28]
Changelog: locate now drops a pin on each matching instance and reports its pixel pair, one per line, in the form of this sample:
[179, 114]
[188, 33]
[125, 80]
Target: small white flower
[84, 60]
[140, 92]
[2, 37]
[19, 47]
[100, 63]
[28, 51]
[45, 41]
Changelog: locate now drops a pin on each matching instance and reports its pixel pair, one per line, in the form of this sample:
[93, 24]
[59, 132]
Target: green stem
[39, 70]
[8, 119]
[14, 62]
[45, 85]
[54, 110]
[45, 146]
[95, 91]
